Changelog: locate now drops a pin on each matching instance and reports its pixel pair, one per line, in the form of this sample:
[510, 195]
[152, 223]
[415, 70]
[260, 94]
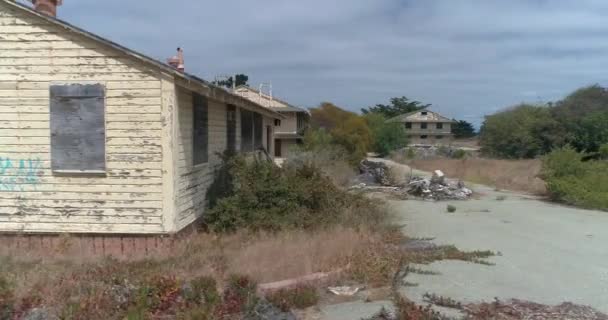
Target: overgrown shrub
[266, 197]
[386, 137]
[459, 154]
[203, 293]
[318, 150]
[239, 296]
[573, 181]
[300, 297]
[604, 152]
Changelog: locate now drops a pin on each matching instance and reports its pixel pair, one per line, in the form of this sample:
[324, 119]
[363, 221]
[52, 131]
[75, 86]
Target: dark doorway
[277, 148]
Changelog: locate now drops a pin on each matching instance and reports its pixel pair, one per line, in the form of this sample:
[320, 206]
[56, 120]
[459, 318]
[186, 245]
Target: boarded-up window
[200, 129]
[78, 128]
[246, 131]
[231, 128]
[258, 127]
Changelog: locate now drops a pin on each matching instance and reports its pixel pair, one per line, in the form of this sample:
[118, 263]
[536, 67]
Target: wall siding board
[129, 198]
[194, 181]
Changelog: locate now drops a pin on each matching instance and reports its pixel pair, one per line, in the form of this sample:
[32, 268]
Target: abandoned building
[97, 138]
[425, 127]
[288, 131]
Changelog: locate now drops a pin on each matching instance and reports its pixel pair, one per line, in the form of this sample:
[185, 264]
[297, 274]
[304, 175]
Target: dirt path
[549, 253]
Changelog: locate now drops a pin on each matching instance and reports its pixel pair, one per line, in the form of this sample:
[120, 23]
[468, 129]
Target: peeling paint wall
[128, 198]
[193, 181]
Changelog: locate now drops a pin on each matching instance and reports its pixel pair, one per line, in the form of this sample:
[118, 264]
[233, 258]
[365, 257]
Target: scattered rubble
[375, 172]
[376, 177]
[439, 188]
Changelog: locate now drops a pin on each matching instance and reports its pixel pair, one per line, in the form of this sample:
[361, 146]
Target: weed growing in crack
[442, 301]
[422, 271]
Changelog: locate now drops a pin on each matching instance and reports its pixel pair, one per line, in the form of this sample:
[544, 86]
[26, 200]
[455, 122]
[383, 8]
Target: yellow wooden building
[97, 138]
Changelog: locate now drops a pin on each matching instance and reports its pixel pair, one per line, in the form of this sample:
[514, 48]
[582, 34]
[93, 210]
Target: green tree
[584, 114]
[346, 129]
[241, 80]
[398, 106]
[386, 137]
[525, 131]
[591, 132]
[463, 129]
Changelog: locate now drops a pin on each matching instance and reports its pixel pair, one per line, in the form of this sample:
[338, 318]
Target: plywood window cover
[102, 162]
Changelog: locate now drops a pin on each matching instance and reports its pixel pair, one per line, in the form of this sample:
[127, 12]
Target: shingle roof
[129, 52]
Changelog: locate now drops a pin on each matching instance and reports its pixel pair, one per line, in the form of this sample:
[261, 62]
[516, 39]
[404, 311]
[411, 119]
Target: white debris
[344, 291]
[439, 188]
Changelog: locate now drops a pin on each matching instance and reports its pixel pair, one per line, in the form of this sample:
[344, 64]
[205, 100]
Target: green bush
[572, 181]
[604, 151]
[451, 208]
[203, 292]
[300, 297]
[266, 197]
[459, 154]
[386, 137]
[411, 154]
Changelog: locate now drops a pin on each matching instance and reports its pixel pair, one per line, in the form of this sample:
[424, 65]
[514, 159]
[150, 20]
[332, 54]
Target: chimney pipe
[48, 7]
[177, 61]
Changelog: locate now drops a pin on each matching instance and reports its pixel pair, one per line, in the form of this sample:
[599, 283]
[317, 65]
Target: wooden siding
[129, 199]
[194, 181]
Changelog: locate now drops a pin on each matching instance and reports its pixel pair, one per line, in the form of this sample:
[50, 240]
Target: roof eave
[133, 54]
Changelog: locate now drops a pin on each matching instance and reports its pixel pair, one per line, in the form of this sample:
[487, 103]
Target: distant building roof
[423, 115]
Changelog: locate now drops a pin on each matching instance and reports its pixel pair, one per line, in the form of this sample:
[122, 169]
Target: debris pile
[374, 173]
[438, 188]
[376, 176]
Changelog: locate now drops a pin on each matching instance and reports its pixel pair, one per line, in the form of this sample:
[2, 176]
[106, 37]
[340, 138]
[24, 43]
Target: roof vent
[48, 7]
[177, 61]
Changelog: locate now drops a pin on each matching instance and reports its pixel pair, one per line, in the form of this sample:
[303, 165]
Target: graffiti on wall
[19, 174]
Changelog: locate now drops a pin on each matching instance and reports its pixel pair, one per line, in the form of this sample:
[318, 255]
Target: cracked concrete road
[549, 253]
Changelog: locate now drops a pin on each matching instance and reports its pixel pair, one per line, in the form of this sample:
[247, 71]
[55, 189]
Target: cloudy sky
[466, 57]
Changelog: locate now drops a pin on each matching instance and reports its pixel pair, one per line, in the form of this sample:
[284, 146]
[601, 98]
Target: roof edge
[129, 52]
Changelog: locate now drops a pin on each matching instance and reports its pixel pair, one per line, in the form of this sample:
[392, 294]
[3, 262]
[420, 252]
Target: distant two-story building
[288, 132]
[424, 127]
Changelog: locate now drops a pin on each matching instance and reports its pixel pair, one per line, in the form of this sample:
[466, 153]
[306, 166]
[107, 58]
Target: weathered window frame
[247, 144]
[252, 131]
[231, 127]
[200, 130]
[90, 135]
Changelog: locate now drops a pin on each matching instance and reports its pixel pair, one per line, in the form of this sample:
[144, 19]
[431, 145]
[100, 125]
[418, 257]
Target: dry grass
[265, 258]
[515, 175]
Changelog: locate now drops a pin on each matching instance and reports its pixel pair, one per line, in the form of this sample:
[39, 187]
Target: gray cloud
[467, 57]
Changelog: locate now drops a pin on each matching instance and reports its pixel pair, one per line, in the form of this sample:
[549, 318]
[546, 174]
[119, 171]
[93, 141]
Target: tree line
[528, 130]
[369, 131]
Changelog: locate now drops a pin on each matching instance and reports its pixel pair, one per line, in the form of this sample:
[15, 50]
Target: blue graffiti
[25, 176]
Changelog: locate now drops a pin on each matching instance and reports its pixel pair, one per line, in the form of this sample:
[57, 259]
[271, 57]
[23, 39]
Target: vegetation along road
[547, 253]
